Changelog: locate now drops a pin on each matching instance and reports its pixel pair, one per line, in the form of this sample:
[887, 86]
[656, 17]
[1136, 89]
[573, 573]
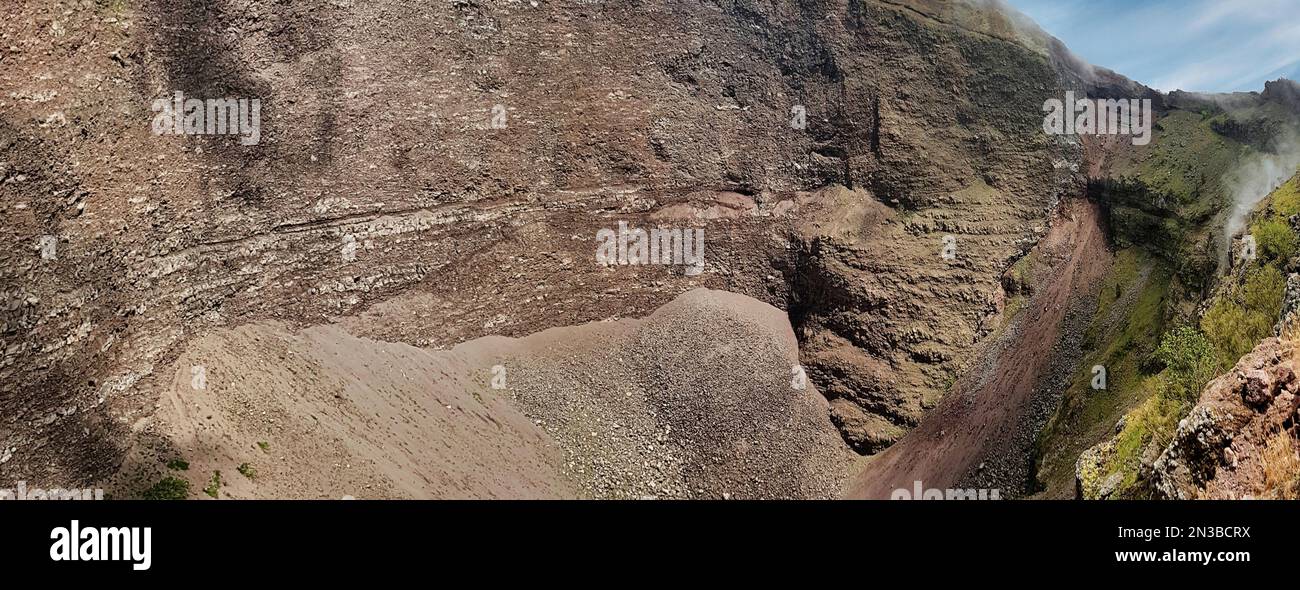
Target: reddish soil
[989, 404]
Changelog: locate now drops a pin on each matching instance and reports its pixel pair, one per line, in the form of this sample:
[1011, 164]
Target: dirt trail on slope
[990, 407]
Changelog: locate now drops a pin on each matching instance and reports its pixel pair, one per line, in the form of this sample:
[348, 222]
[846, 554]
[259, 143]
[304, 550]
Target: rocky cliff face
[436, 173]
[952, 150]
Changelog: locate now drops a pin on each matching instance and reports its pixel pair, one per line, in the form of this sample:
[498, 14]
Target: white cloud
[1201, 45]
[1212, 13]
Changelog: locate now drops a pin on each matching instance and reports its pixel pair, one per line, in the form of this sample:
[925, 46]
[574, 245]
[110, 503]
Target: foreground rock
[1239, 441]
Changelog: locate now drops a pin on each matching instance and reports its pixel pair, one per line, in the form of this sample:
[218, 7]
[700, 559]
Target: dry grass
[1282, 468]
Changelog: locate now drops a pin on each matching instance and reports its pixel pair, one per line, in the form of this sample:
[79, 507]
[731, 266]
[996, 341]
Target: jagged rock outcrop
[1092, 480]
[1239, 441]
[1290, 305]
[1283, 91]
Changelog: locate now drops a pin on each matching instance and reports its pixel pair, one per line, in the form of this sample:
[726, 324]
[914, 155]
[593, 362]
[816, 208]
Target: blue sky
[1198, 45]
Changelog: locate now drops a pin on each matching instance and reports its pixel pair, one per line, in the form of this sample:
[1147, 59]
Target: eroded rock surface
[453, 162]
[1239, 441]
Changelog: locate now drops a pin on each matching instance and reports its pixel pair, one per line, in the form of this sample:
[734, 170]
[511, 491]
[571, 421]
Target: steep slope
[694, 401]
[441, 171]
[1239, 440]
[1159, 368]
[982, 434]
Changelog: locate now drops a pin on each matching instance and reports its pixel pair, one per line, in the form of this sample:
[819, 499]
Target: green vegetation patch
[213, 488]
[1285, 201]
[1124, 333]
[1188, 161]
[169, 488]
[1240, 315]
[1274, 239]
[1190, 363]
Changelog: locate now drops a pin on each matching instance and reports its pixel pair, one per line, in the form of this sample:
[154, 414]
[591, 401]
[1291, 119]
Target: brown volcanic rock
[377, 130]
[1220, 450]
